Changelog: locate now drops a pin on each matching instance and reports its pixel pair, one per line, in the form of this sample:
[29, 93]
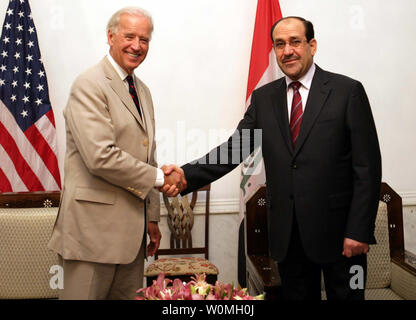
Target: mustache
[291, 57]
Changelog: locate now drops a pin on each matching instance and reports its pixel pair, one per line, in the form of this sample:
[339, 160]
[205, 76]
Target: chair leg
[211, 279]
[149, 281]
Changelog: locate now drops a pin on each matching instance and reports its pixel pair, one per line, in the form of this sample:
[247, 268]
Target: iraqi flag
[263, 69]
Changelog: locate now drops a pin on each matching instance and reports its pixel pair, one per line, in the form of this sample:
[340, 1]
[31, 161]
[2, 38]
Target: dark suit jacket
[331, 180]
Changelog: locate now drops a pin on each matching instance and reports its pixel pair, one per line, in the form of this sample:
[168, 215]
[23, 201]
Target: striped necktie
[296, 113]
[133, 94]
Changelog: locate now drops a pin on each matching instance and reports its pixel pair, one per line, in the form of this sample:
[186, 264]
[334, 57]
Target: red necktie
[133, 94]
[296, 113]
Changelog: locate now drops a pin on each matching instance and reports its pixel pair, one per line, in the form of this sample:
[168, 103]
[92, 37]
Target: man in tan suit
[109, 193]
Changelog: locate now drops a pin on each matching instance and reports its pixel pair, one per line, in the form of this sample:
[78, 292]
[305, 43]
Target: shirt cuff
[160, 178]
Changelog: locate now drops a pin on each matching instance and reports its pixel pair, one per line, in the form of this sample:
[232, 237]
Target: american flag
[28, 157]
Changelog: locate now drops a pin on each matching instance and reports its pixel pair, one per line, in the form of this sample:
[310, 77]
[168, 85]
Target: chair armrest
[263, 277]
[403, 281]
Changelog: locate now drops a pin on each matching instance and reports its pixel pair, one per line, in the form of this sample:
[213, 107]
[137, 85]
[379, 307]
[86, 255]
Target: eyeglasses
[293, 43]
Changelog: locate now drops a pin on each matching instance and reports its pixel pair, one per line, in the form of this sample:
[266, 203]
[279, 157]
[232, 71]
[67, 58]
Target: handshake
[175, 181]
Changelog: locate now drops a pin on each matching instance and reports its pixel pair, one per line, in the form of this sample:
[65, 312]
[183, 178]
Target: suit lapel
[317, 96]
[121, 90]
[148, 119]
[279, 102]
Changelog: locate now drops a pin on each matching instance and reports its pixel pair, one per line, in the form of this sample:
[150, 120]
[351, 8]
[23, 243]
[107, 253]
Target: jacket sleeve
[366, 165]
[225, 157]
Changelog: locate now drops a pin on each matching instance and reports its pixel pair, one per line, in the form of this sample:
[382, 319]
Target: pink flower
[197, 289]
[211, 297]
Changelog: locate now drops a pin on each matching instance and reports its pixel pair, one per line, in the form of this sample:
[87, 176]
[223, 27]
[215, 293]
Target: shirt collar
[306, 80]
[120, 71]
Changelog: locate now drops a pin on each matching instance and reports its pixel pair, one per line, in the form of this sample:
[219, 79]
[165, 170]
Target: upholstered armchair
[26, 222]
[391, 270]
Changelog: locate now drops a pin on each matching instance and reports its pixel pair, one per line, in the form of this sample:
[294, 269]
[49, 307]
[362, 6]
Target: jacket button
[145, 142]
[294, 166]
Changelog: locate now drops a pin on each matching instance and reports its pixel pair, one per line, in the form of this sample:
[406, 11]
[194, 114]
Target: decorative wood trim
[395, 219]
[30, 199]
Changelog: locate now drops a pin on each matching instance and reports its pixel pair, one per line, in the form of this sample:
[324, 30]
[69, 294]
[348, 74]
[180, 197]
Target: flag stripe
[10, 172]
[51, 117]
[25, 172]
[44, 151]
[5, 185]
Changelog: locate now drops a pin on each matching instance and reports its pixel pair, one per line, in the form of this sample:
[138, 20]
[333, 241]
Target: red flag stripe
[44, 151]
[51, 117]
[28, 177]
[268, 12]
[10, 172]
[5, 185]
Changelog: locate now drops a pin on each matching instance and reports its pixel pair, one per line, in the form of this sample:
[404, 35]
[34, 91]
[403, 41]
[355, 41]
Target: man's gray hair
[114, 21]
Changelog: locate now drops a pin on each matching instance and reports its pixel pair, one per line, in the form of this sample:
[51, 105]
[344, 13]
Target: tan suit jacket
[110, 170]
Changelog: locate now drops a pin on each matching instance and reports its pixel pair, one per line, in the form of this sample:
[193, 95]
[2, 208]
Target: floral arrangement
[197, 289]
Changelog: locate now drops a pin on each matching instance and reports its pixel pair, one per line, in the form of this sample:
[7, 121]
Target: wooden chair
[180, 219]
[26, 222]
[391, 270]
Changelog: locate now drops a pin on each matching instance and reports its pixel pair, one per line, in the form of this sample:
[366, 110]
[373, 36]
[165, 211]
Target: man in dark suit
[322, 164]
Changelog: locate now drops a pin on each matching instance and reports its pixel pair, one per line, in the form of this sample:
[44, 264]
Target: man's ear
[314, 46]
[110, 37]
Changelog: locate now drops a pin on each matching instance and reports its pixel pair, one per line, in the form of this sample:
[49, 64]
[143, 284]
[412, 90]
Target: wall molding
[233, 205]
[408, 198]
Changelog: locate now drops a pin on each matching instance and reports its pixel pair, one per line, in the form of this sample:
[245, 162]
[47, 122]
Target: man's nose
[288, 50]
[135, 44]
